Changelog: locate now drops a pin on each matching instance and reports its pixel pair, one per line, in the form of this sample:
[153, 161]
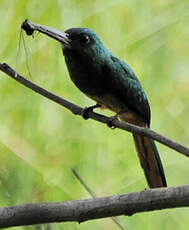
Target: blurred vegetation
[40, 141]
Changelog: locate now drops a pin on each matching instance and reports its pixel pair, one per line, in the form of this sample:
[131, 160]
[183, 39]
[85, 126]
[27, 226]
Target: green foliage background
[40, 141]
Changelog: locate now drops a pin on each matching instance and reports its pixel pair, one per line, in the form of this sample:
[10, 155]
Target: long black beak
[30, 27]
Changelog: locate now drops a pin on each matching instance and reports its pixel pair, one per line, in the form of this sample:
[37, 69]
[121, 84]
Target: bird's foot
[86, 110]
[114, 118]
[111, 121]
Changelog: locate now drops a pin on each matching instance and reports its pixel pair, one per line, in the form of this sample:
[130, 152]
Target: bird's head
[82, 41]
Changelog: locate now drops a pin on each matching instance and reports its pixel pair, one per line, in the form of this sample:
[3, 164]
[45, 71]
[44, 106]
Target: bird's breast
[87, 76]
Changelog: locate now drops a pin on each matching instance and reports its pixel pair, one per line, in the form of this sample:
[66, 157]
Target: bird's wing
[124, 83]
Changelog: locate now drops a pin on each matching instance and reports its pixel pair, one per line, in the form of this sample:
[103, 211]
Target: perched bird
[112, 84]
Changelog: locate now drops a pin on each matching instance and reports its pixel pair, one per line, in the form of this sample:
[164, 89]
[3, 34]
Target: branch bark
[75, 109]
[88, 209]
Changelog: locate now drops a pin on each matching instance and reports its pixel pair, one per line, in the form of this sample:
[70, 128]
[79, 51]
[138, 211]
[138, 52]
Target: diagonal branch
[88, 209]
[95, 116]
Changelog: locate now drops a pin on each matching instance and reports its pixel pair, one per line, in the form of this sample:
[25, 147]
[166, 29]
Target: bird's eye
[85, 38]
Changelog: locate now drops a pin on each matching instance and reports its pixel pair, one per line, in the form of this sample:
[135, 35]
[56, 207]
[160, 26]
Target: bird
[112, 84]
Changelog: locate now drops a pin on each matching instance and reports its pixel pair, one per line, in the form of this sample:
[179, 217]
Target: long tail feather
[150, 161]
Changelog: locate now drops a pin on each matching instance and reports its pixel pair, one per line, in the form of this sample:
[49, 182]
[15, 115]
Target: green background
[40, 141]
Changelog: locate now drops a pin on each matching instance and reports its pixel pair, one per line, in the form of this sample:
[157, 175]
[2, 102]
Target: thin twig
[95, 116]
[80, 179]
[76, 174]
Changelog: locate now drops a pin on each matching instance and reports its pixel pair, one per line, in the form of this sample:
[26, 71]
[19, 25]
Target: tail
[150, 161]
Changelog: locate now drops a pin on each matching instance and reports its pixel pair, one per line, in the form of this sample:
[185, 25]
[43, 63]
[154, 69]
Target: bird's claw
[86, 110]
[111, 120]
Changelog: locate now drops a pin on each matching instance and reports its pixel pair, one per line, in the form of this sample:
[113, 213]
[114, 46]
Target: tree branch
[88, 209]
[75, 109]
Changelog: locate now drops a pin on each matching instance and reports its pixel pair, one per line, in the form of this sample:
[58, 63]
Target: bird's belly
[116, 105]
[110, 102]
